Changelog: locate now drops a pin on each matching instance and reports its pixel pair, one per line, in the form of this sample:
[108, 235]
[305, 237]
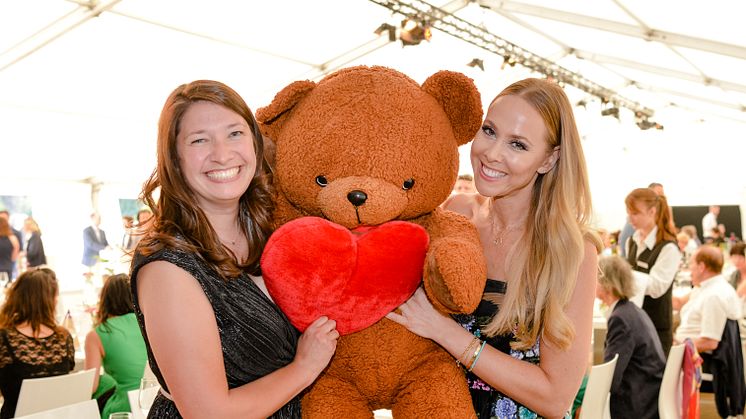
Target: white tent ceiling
[81, 85]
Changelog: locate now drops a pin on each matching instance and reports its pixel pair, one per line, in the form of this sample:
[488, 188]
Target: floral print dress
[488, 402]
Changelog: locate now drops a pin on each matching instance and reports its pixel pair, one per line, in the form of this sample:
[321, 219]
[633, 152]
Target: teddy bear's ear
[460, 100]
[271, 117]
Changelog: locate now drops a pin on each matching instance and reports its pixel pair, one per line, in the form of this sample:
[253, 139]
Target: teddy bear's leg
[438, 390]
[333, 398]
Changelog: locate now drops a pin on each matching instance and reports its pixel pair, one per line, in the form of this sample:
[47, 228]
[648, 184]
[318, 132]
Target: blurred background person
[738, 260]
[144, 216]
[694, 241]
[33, 344]
[4, 214]
[34, 250]
[710, 221]
[606, 241]
[94, 241]
[128, 225]
[464, 184]
[115, 343]
[9, 250]
[631, 334]
[654, 255]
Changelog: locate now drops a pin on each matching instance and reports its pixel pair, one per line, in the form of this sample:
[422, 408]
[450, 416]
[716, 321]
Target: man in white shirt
[710, 221]
[711, 303]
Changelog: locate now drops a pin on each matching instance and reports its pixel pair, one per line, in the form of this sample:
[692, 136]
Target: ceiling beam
[665, 37]
[667, 72]
[53, 31]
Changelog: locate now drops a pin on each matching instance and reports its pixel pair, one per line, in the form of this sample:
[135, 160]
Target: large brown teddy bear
[362, 161]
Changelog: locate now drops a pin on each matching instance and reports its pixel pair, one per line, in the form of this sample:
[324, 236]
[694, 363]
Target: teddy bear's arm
[455, 269]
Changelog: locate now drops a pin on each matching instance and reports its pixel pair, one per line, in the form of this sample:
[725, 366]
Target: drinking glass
[148, 390]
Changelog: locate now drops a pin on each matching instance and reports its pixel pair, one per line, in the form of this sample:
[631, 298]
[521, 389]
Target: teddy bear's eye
[321, 181]
[408, 184]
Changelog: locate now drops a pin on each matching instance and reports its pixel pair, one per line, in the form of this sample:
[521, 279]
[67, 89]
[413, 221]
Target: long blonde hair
[544, 264]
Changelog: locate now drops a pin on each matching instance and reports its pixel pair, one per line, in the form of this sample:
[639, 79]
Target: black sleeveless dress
[255, 336]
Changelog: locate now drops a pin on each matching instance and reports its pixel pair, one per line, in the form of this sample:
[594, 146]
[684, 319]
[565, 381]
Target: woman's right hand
[317, 345]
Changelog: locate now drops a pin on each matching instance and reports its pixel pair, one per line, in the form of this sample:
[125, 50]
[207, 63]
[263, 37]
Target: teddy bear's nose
[357, 198]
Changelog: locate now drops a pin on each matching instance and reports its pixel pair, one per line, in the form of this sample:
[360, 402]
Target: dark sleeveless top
[488, 402]
[24, 357]
[660, 310]
[255, 336]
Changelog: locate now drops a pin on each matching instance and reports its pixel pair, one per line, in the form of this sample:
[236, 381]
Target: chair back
[669, 398]
[40, 394]
[596, 399]
[82, 410]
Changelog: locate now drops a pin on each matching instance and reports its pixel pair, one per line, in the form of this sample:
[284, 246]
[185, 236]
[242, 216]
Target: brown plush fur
[371, 129]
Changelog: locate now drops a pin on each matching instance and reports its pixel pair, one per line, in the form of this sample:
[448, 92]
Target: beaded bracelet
[476, 358]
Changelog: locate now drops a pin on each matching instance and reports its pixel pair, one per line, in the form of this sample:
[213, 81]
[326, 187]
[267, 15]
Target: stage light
[508, 60]
[385, 27]
[413, 32]
[644, 123]
[582, 103]
[476, 62]
[612, 111]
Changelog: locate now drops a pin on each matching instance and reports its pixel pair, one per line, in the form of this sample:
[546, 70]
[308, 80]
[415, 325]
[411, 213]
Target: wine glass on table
[148, 390]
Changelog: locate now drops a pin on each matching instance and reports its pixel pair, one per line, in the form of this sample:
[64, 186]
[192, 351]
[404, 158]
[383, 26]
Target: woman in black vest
[654, 255]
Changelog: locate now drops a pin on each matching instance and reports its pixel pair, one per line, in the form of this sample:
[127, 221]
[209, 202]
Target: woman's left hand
[419, 316]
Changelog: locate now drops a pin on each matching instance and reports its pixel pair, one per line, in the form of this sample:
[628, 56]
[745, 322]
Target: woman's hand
[420, 317]
[317, 345]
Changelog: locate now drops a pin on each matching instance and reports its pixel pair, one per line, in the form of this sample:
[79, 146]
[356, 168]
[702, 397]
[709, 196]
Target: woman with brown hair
[216, 342]
[32, 345]
[9, 249]
[654, 255]
[116, 344]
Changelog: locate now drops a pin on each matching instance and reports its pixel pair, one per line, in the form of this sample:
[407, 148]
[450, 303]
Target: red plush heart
[313, 267]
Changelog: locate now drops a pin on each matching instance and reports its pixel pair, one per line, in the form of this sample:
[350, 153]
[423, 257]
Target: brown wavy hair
[32, 299]
[650, 199]
[544, 264]
[115, 300]
[179, 223]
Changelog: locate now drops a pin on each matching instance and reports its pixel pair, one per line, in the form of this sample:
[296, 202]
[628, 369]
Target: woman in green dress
[116, 344]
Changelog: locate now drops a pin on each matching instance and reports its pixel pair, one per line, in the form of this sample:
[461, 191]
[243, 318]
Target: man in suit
[94, 241]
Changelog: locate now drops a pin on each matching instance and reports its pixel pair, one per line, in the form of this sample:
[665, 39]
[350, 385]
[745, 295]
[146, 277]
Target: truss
[482, 38]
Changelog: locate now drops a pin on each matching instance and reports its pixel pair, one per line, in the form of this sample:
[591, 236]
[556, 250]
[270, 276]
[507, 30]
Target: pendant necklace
[499, 235]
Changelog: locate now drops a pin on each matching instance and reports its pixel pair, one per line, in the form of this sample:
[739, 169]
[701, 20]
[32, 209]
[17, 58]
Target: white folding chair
[669, 397]
[596, 398]
[82, 410]
[40, 394]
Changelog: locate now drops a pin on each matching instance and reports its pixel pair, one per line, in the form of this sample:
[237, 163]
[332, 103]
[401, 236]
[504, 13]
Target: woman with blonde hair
[32, 344]
[654, 255]
[34, 247]
[526, 347]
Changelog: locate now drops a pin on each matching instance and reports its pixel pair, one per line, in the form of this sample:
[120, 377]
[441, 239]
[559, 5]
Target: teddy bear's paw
[455, 275]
